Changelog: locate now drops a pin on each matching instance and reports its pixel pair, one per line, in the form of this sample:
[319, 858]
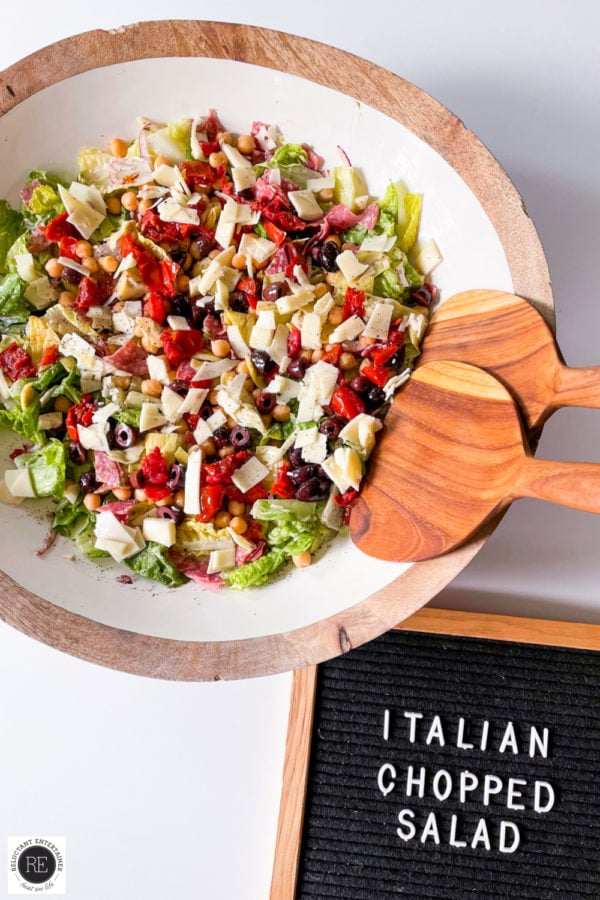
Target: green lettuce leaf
[256, 573]
[71, 518]
[47, 467]
[288, 155]
[11, 226]
[63, 383]
[14, 308]
[281, 511]
[16, 249]
[152, 562]
[23, 421]
[86, 541]
[45, 202]
[408, 225]
[129, 415]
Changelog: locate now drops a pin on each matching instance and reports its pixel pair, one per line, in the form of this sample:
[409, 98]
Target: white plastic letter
[511, 793]
[468, 782]
[542, 742]
[431, 829]
[409, 833]
[460, 740]
[509, 739]
[436, 731]
[537, 800]
[413, 716]
[387, 770]
[491, 785]
[438, 792]
[419, 782]
[481, 836]
[502, 845]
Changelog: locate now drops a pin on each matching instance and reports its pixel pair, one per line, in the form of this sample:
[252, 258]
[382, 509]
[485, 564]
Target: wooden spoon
[507, 336]
[453, 453]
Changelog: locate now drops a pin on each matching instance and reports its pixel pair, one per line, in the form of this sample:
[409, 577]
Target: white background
[167, 790]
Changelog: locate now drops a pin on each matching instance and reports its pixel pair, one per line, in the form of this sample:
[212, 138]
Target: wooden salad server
[453, 454]
[508, 337]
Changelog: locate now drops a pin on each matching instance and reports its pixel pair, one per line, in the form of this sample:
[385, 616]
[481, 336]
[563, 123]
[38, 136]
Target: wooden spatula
[507, 336]
[452, 454]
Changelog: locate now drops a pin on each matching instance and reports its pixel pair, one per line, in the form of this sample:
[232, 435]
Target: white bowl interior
[47, 130]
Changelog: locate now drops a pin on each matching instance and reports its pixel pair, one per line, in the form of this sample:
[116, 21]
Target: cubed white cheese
[349, 266]
[19, 483]
[249, 475]
[306, 205]
[151, 417]
[219, 560]
[25, 267]
[178, 323]
[50, 420]
[348, 330]
[317, 451]
[378, 323]
[361, 431]
[191, 504]
[306, 437]
[428, 257]
[161, 531]
[224, 233]
[311, 331]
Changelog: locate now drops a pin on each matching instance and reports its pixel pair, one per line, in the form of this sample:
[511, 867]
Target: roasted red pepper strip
[16, 362]
[198, 174]
[79, 414]
[332, 356]
[154, 494]
[181, 345]
[294, 342]
[211, 501]
[383, 354]
[282, 487]
[250, 287]
[49, 356]
[157, 275]
[221, 472]
[91, 293]
[346, 402]
[152, 226]
[59, 228]
[67, 246]
[155, 470]
[154, 307]
[354, 303]
[377, 374]
[274, 233]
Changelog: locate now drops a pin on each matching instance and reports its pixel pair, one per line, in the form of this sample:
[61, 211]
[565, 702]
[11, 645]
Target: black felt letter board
[542, 705]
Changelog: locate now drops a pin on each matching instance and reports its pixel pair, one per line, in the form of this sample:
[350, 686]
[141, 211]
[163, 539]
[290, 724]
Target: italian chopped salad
[199, 338]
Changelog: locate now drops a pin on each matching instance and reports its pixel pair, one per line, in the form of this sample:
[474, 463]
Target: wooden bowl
[409, 135]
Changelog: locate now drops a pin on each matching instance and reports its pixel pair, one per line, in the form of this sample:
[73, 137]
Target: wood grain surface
[430, 621]
[188, 660]
[452, 455]
[507, 336]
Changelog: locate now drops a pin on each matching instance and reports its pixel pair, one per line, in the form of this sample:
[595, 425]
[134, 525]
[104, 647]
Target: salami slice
[130, 358]
[107, 470]
[119, 508]
[195, 569]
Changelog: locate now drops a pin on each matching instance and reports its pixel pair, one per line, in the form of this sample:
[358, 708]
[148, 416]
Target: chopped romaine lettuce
[45, 202]
[23, 421]
[14, 308]
[47, 467]
[129, 415]
[257, 573]
[152, 562]
[11, 226]
[71, 518]
[408, 225]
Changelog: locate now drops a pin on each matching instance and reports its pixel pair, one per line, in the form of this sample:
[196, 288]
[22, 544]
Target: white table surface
[168, 790]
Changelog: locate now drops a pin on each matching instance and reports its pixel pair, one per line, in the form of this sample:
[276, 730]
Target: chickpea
[249, 385]
[317, 355]
[54, 268]
[220, 348]
[162, 161]
[108, 264]
[366, 341]
[320, 289]
[122, 381]
[306, 354]
[239, 261]
[151, 387]
[213, 397]
[365, 364]
[66, 299]
[236, 507]
[113, 206]
[182, 283]
[214, 253]
[92, 501]
[83, 249]
[90, 264]
[246, 143]
[149, 345]
[243, 367]
[144, 206]
[281, 412]
[331, 278]
[164, 501]
[139, 494]
[222, 519]
[179, 499]
[195, 250]
[224, 137]
[118, 147]
[325, 195]
[226, 451]
[209, 448]
[62, 404]
[301, 560]
[238, 524]
[129, 201]
[197, 269]
[217, 159]
[336, 315]
[347, 361]
[122, 493]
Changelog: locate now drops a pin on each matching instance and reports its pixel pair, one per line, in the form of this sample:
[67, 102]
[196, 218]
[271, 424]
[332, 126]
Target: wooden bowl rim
[445, 133]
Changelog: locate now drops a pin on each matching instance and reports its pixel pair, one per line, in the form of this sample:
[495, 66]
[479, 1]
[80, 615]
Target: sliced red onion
[344, 155]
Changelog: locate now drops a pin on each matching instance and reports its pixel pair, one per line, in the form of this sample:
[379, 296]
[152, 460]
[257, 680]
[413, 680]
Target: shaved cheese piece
[93, 437]
[240, 540]
[4, 388]
[120, 540]
[206, 371]
[306, 437]
[228, 403]
[40, 292]
[195, 147]
[308, 408]
[361, 431]
[128, 262]
[377, 243]
[202, 432]
[306, 205]
[272, 456]
[324, 182]
[395, 382]
[220, 559]
[81, 215]
[333, 514]
[178, 323]
[257, 248]
[203, 283]
[290, 303]
[344, 468]
[250, 417]
[235, 158]
[238, 344]
[317, 451]
[311, 331]
[244, 177]
[103, 413]
[88, 193]
[323, 376]
[349, 266]
[157, 369]
[19, 483]
[151, 417]
[217, 420]
[50, 420]
[191, 504]
[324, 305]
[378, 323]
[161, 531]
[26, 268]
[224, 233]
[285, 388]
[172, 211]
[249, 475]
[266, 319]
[261, 338]
[235, 387]
[123, 323]
[428, 257]
[193, 400]
[416, 326]
[74, 345]
[221, 294]
[348, 330]
[238, 213]
[171, 403]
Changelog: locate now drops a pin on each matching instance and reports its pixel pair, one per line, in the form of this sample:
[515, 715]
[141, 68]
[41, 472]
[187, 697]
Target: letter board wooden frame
[445, 626]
